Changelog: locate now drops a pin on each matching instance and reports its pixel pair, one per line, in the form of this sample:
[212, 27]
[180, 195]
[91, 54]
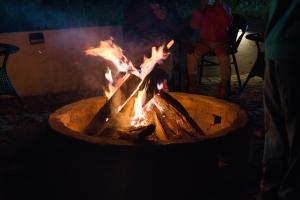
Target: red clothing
[213, 23]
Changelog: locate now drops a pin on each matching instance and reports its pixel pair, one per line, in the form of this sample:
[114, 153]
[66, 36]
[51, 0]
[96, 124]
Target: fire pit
[214, 116]
[137, 109]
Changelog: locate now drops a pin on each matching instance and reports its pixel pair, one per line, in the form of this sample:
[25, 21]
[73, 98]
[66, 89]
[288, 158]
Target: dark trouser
[281, 162]
[178, 79]
[138, 47]
[220, 49]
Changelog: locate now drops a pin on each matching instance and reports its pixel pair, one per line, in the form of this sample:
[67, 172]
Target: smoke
[60, 63]
[81, 71]
[70, 68]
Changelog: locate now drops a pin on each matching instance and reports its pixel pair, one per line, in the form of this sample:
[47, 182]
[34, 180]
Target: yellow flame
[111, 88]
[112, 52]
[170, 44]
[157, 56]
[139, 116]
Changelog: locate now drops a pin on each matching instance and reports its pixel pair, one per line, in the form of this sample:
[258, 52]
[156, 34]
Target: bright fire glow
[139, 116]
[160, 86]
[110, 80]
[157, 56]
[170, 44]
[112, 52]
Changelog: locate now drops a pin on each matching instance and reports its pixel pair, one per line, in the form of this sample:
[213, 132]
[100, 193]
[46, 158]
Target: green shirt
[283, 31]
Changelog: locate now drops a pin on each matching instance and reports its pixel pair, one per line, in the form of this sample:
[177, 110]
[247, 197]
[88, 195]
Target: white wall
[59, 64]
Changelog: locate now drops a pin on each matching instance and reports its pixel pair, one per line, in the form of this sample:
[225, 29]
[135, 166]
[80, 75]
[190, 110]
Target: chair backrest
[238, 23]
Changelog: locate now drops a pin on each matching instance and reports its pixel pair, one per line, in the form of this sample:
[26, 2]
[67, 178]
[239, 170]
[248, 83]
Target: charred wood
[111, 107]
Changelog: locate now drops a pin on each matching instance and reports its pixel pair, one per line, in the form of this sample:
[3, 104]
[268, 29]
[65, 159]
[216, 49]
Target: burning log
[128, 88]
[112, 106]
[123, 116]
[185, 115]
[175, 121]
[137, 135]
[168, 119]
[159, 129]
[120, 100]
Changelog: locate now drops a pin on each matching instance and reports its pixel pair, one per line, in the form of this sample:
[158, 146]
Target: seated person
[152, 23]
[213, 20]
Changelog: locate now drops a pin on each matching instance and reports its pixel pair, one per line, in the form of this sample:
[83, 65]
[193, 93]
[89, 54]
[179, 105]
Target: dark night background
[28, 15]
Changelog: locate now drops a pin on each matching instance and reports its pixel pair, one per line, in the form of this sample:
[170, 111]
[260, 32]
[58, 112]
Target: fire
[157, 55]
[170, 44]
[111, 88]
[110, 51]
[160, 86]
[139, 117]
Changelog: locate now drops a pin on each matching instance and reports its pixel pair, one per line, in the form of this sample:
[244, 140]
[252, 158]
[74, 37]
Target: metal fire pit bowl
[214, 116]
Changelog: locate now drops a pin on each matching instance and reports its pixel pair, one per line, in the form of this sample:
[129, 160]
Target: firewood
[168, 98]
[176, 122]
[119, 102]
[159, 130]
[169, 118]
[169, 131]
[112, 106]
[137, 135]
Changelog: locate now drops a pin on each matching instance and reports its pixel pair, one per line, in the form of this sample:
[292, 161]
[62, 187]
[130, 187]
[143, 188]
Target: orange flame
[111, 88]
[112, 52]
[170, 44]
[157, 55]
[139, 116]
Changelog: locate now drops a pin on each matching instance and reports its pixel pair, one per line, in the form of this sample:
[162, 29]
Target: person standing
[153, 23]
[281, 159]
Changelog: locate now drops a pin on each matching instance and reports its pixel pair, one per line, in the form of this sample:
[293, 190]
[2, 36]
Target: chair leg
[6, 87]
[237, 72]
[245, 83]
[200, 70]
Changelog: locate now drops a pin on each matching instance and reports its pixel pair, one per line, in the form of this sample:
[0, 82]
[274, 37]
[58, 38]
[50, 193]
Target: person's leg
[200, 49]
[182, 55]
[225, 70]
[276, 145]
[288, 88]
[178, 79]
[174, 75]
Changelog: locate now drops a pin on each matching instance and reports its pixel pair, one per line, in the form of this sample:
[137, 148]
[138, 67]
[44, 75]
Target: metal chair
[6, 87]
[238, 24]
